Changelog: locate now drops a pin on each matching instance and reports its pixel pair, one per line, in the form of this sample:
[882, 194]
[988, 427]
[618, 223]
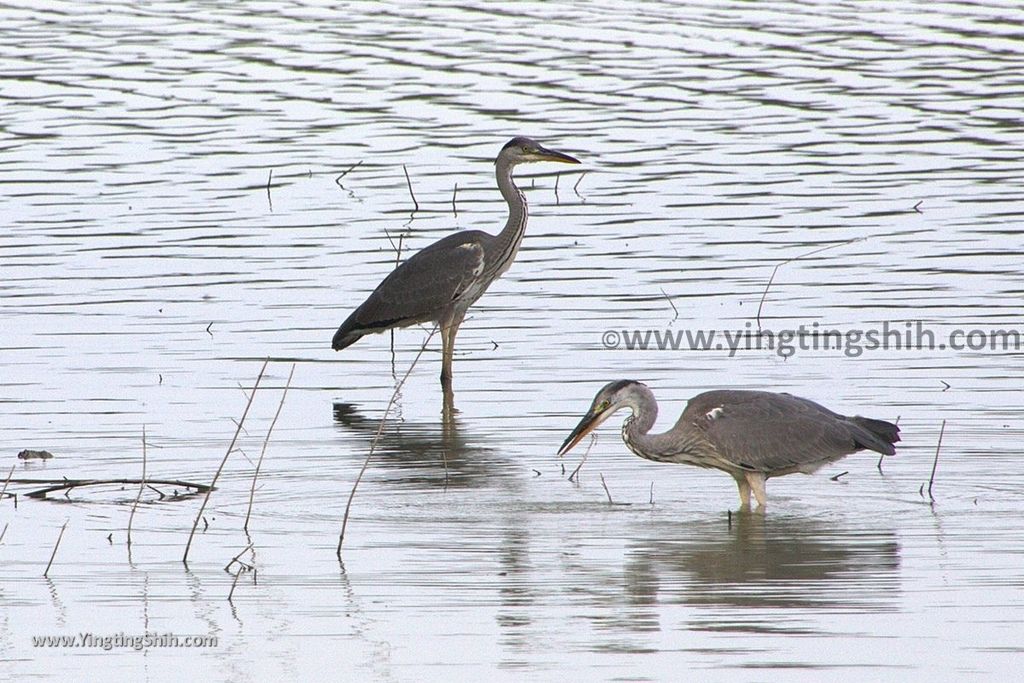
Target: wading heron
[751, 435]
[440, 282]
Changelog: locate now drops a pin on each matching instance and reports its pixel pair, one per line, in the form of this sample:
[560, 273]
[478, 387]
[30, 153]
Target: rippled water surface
[175, 213]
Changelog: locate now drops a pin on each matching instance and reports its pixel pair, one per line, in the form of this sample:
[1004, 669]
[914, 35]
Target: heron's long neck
[635, 431]
[507, 241]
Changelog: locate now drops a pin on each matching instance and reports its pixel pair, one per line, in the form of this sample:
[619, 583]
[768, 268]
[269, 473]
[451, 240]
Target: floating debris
[29, 454]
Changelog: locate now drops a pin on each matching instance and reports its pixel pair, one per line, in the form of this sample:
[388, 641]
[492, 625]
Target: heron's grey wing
[419, 289]
[768, 432]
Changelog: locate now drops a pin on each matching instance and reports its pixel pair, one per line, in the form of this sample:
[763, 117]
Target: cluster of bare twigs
[236, 567]
[224, 460]
[67, 485]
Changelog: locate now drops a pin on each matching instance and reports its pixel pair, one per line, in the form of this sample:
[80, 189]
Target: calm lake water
[173, 216]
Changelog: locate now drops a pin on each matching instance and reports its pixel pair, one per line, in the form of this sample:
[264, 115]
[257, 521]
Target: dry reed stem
[376, 437]
[223, 462]
[142, 485]
[55, 546]
[935, 463]
[593, 439]
[263, 451]
[790, 260]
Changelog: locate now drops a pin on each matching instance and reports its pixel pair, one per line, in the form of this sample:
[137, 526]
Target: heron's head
[615, 395]
[524, 150]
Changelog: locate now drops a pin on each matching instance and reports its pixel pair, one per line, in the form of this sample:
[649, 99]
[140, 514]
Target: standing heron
[440, 282]
[751, 435]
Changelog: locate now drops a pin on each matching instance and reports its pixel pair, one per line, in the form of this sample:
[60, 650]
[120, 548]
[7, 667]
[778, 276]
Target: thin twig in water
[237, 557]
[239, 425]
[388, 235]
[398, 258]
[416, 204]
[376, 437]
[223, 462]
[580, 180]
[882, 457]
[790, 260]
[916, 206]
[606, 491]
[7, 481]
[444, 463]
[269, 200]
[4, 532]
[55, 546]
[231, 593]
[935, 463]
[836, 477]
[652, 494]
[670, 303]
[557, 178]
[351, 168]
[593, 439]
[263, 451]
[243, 568]
[455, 209]
[142, 485]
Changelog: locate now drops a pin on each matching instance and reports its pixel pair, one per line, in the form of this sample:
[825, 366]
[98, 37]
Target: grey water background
[146, 271]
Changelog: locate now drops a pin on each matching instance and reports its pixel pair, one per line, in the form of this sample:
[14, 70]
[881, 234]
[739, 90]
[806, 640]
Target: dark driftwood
[68, 484]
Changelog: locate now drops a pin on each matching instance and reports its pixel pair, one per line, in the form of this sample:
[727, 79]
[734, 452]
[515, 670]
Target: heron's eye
[602, 406]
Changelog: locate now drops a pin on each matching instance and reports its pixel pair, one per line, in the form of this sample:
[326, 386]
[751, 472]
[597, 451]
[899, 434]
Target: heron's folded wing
[425, 284]
[766, 432]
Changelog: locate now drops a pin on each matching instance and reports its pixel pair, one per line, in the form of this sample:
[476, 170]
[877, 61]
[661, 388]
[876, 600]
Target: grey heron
[751, 435]
[440, 282]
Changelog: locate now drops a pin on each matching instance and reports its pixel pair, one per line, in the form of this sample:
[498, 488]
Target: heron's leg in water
[744, 488]
[756, 482]
[446, 365]
[449, 328]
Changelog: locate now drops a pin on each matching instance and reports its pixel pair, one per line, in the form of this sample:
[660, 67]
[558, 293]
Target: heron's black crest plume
[519, 141]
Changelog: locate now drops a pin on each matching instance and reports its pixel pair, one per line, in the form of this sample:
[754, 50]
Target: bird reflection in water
[424, 454]
[767, 562]
[758, 575]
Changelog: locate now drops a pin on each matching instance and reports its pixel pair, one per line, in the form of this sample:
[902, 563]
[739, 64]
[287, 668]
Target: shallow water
[150, 261]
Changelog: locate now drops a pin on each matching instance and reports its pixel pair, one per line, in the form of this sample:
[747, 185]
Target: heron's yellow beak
[588, 424]
[544, 154]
